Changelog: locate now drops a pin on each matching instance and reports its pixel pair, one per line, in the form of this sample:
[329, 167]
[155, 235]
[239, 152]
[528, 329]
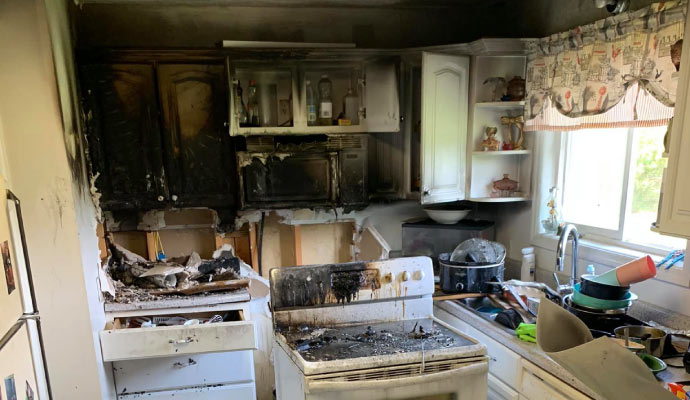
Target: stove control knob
[405, 276]
[418, 275]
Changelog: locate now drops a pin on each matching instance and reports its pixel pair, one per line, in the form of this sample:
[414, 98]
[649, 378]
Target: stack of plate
[598, 296]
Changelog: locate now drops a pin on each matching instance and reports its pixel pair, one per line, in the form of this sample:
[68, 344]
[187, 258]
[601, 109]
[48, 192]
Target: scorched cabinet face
[157, 134]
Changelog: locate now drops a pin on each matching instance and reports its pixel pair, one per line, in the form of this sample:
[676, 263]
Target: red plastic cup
[636, 271]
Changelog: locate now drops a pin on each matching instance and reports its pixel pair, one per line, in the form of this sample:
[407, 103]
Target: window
[611, 185]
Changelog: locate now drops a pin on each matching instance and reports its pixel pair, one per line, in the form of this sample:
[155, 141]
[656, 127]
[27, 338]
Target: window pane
[646, 171]
[594, 177]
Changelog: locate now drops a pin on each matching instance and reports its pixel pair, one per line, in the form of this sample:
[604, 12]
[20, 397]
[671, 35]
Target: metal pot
[457, 277]
[602, 320]
[653, 339]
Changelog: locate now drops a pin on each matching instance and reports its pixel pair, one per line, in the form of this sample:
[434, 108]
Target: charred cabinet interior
[303, 171]
[157, 134]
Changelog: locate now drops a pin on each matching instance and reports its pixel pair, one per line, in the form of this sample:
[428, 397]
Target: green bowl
[654, 364]
[600, 304]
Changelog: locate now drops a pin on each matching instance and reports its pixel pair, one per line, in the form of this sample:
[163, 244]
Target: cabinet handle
[174, 197]
[181, 341]
[161, 198]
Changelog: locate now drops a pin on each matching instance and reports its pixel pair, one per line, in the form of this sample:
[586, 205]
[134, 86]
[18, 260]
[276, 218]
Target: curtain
[615, 72]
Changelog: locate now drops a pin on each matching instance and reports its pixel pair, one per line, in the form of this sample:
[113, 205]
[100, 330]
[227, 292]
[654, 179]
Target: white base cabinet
[511, 376]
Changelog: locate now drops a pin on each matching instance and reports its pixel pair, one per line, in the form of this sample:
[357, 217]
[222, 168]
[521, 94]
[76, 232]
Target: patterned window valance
[574, 78]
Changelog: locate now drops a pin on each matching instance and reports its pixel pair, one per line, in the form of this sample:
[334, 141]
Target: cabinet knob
[161, 198]
[174, 197]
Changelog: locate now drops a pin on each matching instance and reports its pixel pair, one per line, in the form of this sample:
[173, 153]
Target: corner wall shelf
[501, 105]
[501, 153]
[498, 199]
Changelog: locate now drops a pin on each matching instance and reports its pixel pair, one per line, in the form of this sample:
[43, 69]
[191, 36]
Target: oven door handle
[336, 384]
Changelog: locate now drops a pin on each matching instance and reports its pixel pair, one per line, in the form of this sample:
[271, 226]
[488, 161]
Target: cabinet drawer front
[138, 343]
[166, 373]
[224, 392]
[538, 384]
[504, 364]
[497, 390]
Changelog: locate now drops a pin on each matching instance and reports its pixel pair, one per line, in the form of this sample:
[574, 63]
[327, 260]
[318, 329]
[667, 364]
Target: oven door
[279, 180]
[464, 379]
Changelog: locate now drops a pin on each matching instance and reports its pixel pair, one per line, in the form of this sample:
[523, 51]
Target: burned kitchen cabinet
[198, 154]
[157, 135]
[123, 134]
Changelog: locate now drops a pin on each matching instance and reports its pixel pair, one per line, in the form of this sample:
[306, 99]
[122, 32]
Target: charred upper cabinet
[282, 95]
[158, 136]
[198, 154]
[123, 134]
[445, 82]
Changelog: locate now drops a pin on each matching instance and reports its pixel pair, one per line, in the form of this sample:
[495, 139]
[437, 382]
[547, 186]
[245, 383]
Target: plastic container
[240, 108]
[351, 107]
[635, 271]
[311, 106]
[252, 105]
[528, 265]
[325, 102]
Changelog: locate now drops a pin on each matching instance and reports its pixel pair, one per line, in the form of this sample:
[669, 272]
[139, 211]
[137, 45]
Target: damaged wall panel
[327, 243]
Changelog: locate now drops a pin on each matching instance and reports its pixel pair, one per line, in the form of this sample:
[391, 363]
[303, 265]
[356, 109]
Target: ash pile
[138, 279]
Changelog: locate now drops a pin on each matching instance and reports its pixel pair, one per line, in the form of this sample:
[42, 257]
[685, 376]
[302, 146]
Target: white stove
[366, 330]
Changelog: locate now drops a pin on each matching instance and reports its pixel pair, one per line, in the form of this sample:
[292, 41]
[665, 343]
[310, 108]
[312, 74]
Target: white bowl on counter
[446, 217]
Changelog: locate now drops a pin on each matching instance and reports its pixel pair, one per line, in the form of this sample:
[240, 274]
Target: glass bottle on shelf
[554, 217]
[252, 104]
[351, 107]
[311, 106]
[325, 102]
[240, 108]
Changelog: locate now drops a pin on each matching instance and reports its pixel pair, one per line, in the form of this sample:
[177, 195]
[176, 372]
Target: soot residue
[345, 285]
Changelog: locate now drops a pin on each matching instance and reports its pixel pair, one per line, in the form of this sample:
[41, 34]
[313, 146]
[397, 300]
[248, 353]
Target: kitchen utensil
[654, 364]
[603, 320]
[635, 271]
[446, 217]
[464, 277]
[509, 318]
[599, 304]
[602, 291]
[519, 299]
[653, 339]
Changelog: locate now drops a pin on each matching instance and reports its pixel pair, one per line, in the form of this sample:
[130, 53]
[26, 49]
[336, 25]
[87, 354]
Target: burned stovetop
[367, 340]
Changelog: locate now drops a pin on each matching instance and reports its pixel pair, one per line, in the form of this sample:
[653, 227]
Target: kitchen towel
[607, 368]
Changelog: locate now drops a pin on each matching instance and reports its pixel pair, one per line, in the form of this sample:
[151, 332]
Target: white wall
[58, 214]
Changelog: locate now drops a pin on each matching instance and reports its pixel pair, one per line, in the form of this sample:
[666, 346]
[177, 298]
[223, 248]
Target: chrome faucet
[568, 230]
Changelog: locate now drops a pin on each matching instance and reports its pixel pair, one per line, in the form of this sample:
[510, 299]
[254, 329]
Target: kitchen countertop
[528, 351]
[532, 353]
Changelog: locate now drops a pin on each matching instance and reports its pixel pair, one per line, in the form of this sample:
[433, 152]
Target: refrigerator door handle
[34, 316]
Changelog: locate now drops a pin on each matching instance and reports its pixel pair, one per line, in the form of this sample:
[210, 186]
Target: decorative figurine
[499, 87]
[490, 143]
[504, 187]
[516, 89]
[519, 122]
[554, 219]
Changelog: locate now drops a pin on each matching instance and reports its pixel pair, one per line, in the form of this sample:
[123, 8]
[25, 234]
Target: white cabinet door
[537, 384]
[381, 100]
[674, 213]
[444, 127]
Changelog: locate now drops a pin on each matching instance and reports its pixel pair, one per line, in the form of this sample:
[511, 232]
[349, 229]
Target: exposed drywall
[58, 215]
[326, 243]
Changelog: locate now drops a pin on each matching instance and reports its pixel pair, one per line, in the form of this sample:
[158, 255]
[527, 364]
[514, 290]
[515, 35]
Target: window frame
[602, 250]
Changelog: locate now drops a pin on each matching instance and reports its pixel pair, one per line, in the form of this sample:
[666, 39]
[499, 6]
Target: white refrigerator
[22, 362]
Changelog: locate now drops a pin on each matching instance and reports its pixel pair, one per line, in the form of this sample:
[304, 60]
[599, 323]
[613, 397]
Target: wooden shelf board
[498, 199]
[501, 105]
[501, 153]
